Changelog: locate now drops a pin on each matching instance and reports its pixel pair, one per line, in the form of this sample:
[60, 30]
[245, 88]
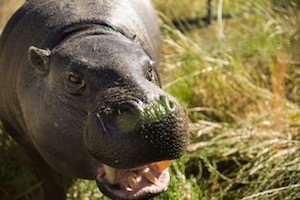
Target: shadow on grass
[17, 181]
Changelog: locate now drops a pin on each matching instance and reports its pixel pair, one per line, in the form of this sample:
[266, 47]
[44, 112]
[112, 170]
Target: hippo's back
[43, 23]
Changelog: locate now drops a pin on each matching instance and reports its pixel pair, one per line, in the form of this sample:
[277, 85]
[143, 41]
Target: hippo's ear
[39, 58]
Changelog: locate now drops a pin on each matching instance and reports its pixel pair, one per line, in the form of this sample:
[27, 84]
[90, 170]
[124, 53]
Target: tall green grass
[239, 80]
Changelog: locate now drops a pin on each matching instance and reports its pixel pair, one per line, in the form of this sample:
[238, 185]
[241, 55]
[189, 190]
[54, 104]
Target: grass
[239, 80]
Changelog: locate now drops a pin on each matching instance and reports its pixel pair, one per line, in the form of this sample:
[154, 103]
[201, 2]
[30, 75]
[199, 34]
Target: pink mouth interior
[135, 183]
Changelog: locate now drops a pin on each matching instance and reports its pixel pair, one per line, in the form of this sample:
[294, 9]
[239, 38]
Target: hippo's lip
[140, 183]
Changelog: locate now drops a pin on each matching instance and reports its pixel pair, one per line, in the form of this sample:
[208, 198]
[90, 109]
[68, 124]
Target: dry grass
[7, 8]
[242, 94]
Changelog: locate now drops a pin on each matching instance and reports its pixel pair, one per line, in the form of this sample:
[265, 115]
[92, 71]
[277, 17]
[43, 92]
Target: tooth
[111, 174]
[162, 165]
[150, 177]
[132, 182]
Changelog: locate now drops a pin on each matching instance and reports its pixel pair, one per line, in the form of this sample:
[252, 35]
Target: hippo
[80, 91]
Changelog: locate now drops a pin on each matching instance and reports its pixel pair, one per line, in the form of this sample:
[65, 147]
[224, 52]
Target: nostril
[167, 103]
[125, 108]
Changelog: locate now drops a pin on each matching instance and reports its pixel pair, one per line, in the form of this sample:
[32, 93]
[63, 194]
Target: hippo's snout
[133, 133]
[130, 115]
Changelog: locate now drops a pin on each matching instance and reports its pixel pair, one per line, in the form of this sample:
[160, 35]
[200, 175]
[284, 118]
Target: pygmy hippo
[80, 91]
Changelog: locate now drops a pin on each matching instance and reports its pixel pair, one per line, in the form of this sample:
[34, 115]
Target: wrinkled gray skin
[79, 88]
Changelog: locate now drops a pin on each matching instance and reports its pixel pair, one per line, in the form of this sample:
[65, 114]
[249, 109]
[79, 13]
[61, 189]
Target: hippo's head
[99, 113]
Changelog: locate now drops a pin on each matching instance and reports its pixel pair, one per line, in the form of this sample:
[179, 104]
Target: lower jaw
[142, 183]
[116, 196]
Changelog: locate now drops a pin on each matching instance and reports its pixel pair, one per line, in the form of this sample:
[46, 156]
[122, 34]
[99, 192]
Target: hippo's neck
[80, 30]
[11, 116]
[10, 110]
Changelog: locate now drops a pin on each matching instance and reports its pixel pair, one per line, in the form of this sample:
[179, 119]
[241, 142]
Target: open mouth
[140, 183]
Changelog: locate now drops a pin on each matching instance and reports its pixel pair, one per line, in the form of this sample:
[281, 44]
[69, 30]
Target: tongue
[111, 173]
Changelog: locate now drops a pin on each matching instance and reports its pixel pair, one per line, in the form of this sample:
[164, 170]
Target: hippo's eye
[151, 74]
[75, 79]
[74, 83]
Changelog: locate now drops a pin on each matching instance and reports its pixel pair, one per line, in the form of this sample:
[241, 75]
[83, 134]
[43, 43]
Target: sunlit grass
[244, 109]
